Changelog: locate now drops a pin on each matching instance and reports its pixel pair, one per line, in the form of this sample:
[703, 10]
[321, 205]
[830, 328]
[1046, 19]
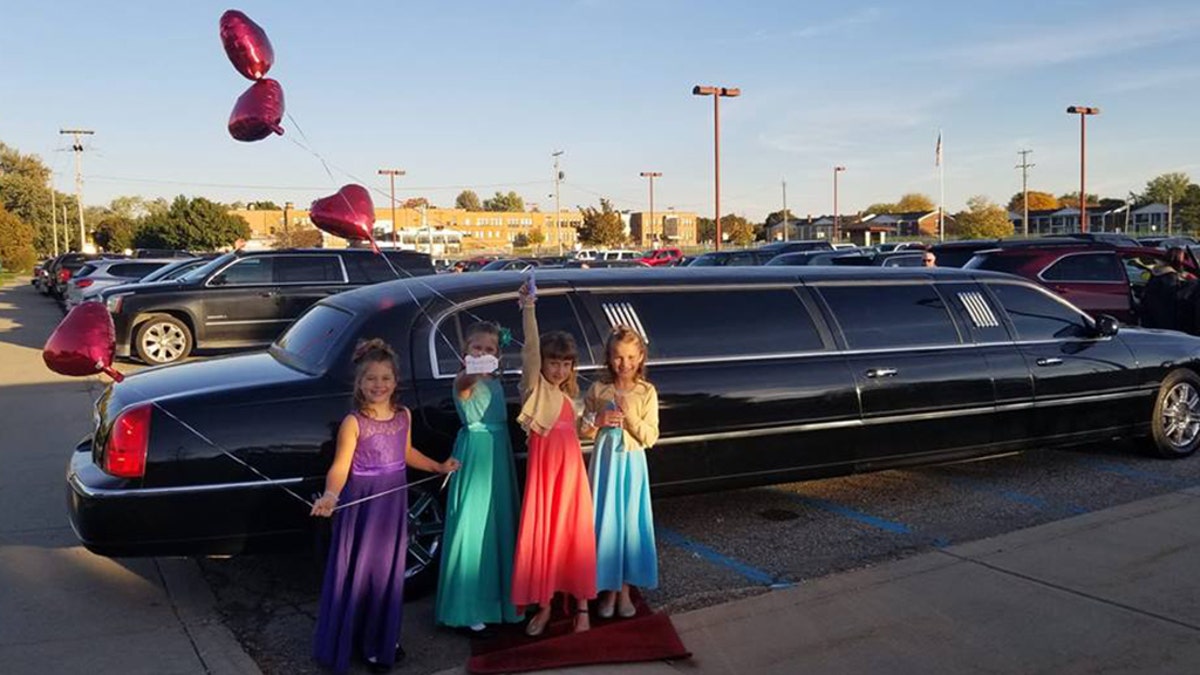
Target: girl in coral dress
[556, 542]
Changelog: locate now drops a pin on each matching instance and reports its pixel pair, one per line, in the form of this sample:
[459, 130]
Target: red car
[662, 257]
[1098, 279]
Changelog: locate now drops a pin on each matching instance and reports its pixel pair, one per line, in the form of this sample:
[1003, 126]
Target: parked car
[1098, 279]
[812, 372]
[161, 253]
[740, 258]
[168, 272]
[959, 253]
[603, 264]
[1167, 242]
[509, 265]
[98, 275]
[781, 247]
[473, 264]
[66, 265]
[896, 258]
[618, 254]
[1110, 238]
[242, 299]
[803, 258]
[662, 257]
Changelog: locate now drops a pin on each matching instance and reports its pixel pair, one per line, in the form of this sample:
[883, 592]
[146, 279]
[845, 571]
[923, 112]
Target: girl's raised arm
[531, 352]
[339, 471]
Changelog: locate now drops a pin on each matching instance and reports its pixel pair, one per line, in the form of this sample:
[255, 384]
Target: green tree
[536, 237]
[776, 217]
[737, 229]
[881, 208]
[601, 227]
[983, 219]
[297, 237]
[1071, 200]
[914, 202]
[196, 224]
[264, 205]
[706, 230]
[16, 242]
[1167, 188]
[504, 202]
[1038, 201]
[115, 232]
[468, 200]
[1187, 209]
[521, 240]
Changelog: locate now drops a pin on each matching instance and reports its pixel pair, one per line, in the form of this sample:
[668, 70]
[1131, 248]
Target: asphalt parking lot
[713, 548]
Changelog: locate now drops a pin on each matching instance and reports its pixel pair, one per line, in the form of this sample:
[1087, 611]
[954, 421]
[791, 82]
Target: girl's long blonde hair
[623, 335]
[368, 352]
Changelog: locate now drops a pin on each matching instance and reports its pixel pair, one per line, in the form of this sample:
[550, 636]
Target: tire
[1176, 420]
[162, 339]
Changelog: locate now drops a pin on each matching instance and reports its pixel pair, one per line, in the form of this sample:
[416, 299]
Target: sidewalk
[1114, 591]
[62, 609]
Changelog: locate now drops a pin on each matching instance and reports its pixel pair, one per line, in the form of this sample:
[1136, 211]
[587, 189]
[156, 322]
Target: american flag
[938, 158]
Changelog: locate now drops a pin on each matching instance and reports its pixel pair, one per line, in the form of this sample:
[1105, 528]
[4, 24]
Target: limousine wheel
[162, 339]
[425, 527]
[1177, 415]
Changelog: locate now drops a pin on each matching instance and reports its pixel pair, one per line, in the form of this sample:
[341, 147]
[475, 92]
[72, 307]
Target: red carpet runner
[645, 637]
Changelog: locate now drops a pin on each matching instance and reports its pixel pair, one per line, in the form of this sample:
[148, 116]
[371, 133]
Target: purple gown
[362, 597]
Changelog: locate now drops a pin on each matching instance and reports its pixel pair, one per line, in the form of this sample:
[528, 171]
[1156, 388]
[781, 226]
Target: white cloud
[1159, 78]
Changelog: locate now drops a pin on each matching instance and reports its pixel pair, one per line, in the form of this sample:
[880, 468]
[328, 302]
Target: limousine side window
[888, 316]
[554, 312]
[245, 272]
[298, 269]
[1037, 316]
[713, 324]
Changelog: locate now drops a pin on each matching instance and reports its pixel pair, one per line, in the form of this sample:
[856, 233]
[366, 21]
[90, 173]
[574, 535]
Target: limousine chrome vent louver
[623, 314]
[978, 308]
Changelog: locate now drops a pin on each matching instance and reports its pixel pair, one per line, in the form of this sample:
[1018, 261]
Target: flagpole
[942, 188]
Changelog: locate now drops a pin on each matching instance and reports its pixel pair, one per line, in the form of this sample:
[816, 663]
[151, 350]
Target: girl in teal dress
[475, 584]
[621, 414]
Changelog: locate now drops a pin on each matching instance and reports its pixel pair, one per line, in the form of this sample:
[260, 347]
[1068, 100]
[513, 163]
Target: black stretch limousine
[765, 375]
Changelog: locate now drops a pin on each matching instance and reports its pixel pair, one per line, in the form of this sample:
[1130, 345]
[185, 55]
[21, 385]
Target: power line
[309, 188]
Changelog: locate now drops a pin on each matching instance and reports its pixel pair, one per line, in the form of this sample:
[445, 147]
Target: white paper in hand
[481, 365]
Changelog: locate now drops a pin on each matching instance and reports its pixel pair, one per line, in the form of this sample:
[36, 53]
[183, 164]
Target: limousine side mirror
[1106, 326]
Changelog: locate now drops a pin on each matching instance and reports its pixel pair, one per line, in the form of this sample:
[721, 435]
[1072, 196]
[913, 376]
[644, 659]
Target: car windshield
[169, 271]
[307, 343]
[199, 273]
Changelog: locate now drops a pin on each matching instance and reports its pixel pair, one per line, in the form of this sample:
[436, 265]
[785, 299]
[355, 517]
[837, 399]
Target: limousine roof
[457, 285]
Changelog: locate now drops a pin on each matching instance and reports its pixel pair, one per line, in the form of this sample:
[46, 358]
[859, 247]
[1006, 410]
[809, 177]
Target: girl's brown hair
[560, 346]
[481, 328]
[366, 353]
[623, 335]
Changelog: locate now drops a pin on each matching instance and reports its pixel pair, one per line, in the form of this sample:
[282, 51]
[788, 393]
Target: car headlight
[114, 303]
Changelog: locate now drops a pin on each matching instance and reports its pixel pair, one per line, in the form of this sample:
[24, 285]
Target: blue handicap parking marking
[1134, 474]
[983, 486]
[846, 511]
[750, 572]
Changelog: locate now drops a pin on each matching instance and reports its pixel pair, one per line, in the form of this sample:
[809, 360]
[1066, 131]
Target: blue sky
[478, 94]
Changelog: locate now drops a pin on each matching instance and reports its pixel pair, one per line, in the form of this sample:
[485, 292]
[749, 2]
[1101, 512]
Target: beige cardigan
[641, 413]
[541, 401]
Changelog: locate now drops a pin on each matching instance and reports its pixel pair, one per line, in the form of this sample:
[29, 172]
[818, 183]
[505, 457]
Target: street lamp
[837, 219]
[1083, 112]
[651, 175]
[391, 174]
[716, 93]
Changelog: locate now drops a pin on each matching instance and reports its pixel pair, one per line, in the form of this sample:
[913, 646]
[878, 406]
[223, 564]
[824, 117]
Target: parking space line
[1132, 473]
[976, 485]
[752, 573]
[846, 511]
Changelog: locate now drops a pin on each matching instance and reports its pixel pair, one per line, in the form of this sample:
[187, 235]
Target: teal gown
[475, 583]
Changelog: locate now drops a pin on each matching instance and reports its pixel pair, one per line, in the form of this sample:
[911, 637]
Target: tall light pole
[1083, 112]
[77, 146]
[716, 93]
[391, 174]
[1024, 166]
[651, 175]
[785, 211]
[287, 215]
[837, 218]
[558, 176]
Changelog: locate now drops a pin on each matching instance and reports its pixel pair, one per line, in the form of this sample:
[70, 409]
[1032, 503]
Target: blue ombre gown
[625, 549]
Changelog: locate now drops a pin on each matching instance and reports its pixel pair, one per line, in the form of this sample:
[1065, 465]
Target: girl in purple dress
[363, 593]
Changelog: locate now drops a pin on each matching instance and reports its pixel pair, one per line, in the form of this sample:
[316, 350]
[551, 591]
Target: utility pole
[425, 225]
[54, 216]
[785, 213]
[1024, 166]
[287, 211]
[78, 148]
[558, 176]
[837, 218]
[66, 232]
[1170, 214]
[651, 175]
[391, 174]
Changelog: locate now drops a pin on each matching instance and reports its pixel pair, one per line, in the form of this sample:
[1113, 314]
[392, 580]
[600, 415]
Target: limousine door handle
[267, 294]
[881, 372]
[1049, 362]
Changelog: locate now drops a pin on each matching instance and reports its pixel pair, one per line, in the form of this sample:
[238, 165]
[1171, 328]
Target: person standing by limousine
[556, 542]
[621, 414]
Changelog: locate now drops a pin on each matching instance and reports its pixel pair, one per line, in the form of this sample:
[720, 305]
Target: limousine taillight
[128, 442]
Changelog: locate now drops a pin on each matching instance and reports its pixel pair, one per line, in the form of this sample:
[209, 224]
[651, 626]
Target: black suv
[242, 299]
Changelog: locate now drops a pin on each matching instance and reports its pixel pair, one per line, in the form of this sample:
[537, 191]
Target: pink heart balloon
[246, 44]
[349, 213]
[83, 343]
[258, 112]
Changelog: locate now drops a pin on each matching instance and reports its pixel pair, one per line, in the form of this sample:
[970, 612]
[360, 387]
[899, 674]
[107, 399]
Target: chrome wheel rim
[425, 527]
[1181, 415]
[164, 342]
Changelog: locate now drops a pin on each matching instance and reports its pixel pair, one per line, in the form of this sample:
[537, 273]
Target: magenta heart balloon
[83, 343]
[258, 112]
[246, 44]
[348, 213]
